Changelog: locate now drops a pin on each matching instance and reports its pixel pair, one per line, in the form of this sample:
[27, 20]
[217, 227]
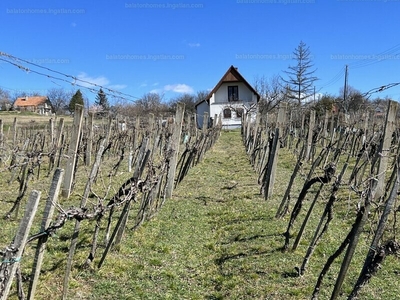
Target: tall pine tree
[77, 98]
[102, 101]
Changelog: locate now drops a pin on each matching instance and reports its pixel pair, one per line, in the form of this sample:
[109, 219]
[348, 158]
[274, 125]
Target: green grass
[217, 238]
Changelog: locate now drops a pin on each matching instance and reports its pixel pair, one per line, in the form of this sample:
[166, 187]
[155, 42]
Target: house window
[239, 112]
[233, 93]
[227, 113]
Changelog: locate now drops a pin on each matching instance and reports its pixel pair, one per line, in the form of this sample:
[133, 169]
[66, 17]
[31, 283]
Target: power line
[17, 62]
[335, 79]
[380, 89]
[376, 58]
[370, 60]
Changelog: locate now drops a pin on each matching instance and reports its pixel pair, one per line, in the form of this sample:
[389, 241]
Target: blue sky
[136, 47]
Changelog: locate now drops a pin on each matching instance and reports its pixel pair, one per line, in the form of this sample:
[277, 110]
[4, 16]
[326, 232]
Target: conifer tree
[77, 98]
[102, 101]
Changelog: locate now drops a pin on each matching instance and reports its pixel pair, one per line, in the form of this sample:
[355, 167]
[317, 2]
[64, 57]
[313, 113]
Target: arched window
[227, 113]
[239, 112]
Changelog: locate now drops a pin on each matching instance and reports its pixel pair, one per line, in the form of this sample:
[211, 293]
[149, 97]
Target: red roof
[30, 101]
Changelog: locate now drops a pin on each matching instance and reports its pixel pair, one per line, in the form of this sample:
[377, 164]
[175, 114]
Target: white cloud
[143, 85]
[155, 83]
[155, 91]
[91, 81]
[179, 88]
[194, 45]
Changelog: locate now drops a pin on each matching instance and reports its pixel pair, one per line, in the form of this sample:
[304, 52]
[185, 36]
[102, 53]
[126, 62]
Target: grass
[217, 238]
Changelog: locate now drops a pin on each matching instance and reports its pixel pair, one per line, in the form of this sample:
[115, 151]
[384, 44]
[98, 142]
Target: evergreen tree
[77, 98]
[101, 100]
[300, 82]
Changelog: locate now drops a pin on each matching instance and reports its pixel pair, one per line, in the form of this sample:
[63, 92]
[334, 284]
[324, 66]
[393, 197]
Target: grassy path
[213, 240]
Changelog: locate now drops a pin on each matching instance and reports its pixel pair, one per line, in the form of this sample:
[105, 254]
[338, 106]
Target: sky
[131, 48]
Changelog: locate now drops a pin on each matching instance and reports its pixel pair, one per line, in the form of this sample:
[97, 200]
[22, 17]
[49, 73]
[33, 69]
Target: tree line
[296, 87]
[63, 102]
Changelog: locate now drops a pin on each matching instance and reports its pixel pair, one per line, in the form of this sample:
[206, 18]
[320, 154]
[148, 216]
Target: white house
[230, 98]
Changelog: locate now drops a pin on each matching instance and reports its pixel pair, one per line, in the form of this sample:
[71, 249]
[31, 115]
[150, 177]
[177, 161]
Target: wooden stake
[47, 216]
[12, 257]
[384, 148]
[73, 148]
[174, 147]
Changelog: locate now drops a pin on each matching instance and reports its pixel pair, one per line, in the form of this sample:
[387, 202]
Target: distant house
[37, 104]
[230, 98]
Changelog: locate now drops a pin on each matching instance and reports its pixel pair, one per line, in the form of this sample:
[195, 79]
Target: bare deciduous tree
[59, 98]
[188, 99]
[151, 103]
[5, 100]
[271, 92]
[355, 101]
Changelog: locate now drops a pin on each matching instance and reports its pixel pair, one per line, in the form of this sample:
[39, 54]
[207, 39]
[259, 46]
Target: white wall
[221, 95]
[219, 101]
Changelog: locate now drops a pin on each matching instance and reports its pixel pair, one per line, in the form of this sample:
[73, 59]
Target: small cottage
[37, 104]
[229, 99]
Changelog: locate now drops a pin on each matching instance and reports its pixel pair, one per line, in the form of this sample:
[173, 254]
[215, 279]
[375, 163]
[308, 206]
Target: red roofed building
[37, 104]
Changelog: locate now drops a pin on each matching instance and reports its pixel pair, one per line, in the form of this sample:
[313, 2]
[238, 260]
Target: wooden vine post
[271, 172]
[174, 147]
[384, 149]
[51, 131]
[311, 126]
[88, 154]
[14, 132]
[47, 217]
[12, 256]
[325, 130]
[73, 148]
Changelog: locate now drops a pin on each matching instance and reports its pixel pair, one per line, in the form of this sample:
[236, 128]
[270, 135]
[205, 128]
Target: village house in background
[37, 104]
[229, 99]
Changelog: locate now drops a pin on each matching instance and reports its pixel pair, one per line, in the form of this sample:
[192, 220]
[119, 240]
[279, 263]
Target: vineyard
[84, 162]
[315, 216]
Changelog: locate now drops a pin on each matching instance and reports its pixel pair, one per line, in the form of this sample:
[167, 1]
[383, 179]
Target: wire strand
[17, 62]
